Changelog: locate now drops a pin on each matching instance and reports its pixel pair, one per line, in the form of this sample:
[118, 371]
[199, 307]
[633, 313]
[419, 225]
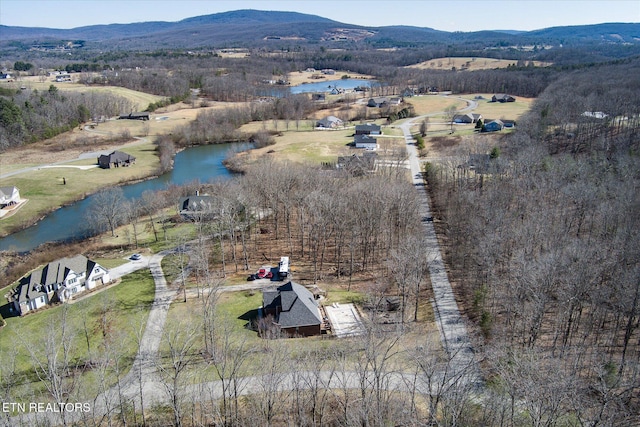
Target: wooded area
[544, 244]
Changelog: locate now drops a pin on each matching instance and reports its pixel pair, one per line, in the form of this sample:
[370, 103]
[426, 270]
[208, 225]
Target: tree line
[29, 116]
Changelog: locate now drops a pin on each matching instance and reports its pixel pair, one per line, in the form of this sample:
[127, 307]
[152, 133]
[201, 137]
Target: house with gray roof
[358, 165]
[502, 97]
[293, 308]
[379, 101]
[463, 118]
[368, 142]
[135, 116]
[493, 126]
[330, 122]
[58, 281]
[368, 129]
[196, 207]
[115, 159]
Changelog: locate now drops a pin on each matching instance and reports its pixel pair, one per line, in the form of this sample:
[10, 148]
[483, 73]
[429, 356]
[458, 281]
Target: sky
[451, 15]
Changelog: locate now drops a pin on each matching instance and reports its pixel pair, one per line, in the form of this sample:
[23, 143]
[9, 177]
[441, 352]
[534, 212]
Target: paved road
[451, 324]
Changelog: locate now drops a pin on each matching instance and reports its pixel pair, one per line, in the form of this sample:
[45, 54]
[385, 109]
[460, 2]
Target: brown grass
[470, 64]
[300, 77]
[427, 104]
[442, 142]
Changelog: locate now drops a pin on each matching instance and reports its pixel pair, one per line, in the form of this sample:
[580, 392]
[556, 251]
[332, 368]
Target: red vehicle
[264, 273]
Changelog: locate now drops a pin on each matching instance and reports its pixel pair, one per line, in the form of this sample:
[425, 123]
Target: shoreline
[30, 222]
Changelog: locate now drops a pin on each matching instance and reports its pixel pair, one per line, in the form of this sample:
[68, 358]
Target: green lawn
[106, 319]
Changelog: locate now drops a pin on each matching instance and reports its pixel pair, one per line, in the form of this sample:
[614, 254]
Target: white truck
[283, 267]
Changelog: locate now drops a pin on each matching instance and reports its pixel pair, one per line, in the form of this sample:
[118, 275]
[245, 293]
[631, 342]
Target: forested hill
[249, 28]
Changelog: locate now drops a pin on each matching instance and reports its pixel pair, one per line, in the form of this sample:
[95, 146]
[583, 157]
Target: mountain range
[253, 28]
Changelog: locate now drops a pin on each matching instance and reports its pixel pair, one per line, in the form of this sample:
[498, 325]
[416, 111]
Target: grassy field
[500, 110]
[429, 104]
[470, 64]
[106, 318]
[306, 146]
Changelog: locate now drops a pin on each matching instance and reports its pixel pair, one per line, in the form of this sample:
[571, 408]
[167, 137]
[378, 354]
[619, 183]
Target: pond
[203, 163]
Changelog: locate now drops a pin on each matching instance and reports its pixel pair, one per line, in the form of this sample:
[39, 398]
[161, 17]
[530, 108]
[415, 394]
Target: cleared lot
[345, 320]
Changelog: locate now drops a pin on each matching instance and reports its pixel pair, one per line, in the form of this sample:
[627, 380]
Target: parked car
[262, 273]
[251, 278]
[135, 257]
[269, 275]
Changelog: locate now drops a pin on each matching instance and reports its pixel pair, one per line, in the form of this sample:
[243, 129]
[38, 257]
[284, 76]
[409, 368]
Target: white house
[57, 281]
[9, 196]
[330, 122]
[367, 142]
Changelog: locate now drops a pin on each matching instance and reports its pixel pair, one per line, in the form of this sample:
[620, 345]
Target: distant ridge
[250, 27]
[247, 16]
